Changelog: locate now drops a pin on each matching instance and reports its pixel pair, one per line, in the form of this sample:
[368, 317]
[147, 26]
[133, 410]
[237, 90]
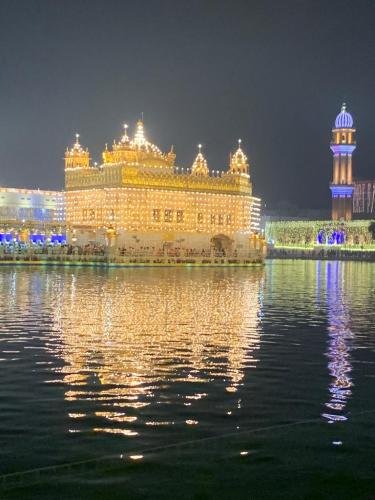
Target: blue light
[37, 238]
[337, 237]
[6, 238]
[58, 239]
[343, 148]
[342, 191]
[344, 119]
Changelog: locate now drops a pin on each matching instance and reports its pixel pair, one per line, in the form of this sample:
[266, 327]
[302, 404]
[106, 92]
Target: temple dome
[76, 149]
[199, 166]
[139, 141]
[344, 119]
[138, 151]
[77, 156]
[238, 161]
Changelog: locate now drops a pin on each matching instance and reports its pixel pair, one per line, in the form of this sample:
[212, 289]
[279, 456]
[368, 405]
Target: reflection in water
[132, 338]
[340, 337]
[96, 362]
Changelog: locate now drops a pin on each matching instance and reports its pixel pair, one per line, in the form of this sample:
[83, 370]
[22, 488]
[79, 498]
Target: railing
[136, 258]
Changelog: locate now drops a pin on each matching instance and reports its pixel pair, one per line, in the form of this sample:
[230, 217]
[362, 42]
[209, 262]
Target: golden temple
[138, 198]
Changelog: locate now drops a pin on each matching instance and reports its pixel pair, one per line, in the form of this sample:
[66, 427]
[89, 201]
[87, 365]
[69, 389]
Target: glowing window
[156, 215]
[180, 216]
[168, 215]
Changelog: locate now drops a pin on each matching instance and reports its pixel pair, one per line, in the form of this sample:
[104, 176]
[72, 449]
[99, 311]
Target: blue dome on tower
[344, 119]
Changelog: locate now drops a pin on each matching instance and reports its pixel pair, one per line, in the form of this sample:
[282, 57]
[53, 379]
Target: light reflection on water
[127, 340]
[95, 359]
[339, 343]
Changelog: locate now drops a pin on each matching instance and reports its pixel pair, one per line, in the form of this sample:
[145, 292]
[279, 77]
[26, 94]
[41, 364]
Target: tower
[77, 157]
[238, 162]
[199, 166]
[342, 145]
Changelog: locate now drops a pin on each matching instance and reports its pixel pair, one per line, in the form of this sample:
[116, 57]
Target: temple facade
[138, 198]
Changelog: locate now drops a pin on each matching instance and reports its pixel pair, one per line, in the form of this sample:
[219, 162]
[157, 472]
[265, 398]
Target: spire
[76, 148]
[199, 166]
[139, 136]
[125, 137]
[238, 161]
[76, 156]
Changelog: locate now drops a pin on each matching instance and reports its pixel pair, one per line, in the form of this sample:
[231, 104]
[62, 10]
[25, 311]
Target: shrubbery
[305, 233]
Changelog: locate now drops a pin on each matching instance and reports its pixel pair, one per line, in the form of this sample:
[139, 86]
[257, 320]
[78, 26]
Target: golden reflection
[132, 338]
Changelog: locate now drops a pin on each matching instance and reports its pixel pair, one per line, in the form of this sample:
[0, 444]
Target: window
[229, 219]
[168, 215]
[92, 214]
[343, 138]
[221, 219]
[213, 219]
[200, 218]
[84, 214]
[156, 215]
[180, 216]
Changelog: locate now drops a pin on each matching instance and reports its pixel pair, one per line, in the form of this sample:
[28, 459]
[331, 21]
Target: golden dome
[137, 150]
[199, 166]
[238, 161]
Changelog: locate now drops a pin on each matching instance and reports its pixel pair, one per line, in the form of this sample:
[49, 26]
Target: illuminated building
[350, 198]
[139, 198]
[31, 215]
[364, 199]
[342, 145]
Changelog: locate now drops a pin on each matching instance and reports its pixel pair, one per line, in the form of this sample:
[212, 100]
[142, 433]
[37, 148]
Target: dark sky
[271, 72]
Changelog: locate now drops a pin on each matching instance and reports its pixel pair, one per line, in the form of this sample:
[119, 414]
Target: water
[188, 383]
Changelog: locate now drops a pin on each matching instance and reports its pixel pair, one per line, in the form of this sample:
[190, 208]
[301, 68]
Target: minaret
[77, 157]
[342, 145]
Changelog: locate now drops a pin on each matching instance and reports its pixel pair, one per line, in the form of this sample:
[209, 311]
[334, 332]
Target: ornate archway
[222, 244]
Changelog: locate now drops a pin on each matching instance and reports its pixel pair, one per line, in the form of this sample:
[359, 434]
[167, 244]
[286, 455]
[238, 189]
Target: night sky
[273, 73]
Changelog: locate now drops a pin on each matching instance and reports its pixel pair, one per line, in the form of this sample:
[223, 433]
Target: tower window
[213, 219]
[200, 218]
[343, 138]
